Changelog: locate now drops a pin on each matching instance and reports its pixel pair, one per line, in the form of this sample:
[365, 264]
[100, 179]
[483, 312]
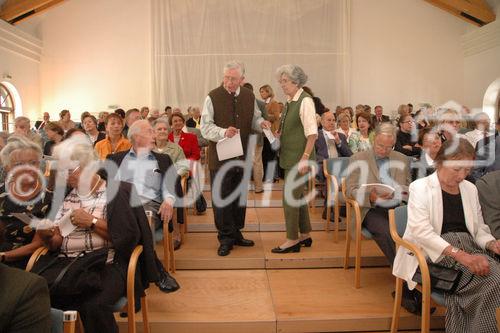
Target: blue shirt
[143, 172]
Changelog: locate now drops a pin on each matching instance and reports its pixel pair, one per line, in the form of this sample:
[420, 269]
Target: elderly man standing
[230, 109]
[147, 170]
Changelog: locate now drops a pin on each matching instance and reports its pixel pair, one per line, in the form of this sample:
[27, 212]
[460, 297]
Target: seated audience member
[120, 112]
[74, 132]
[338, 110]
[403, 110]
[89, 123]
[421, 119]
[40, 124]
[487, 155]
[381, 165]
[187, 141]
[65, 120]
[22, 193]
[55, 134]
[115, 141]
[367, 108]
[385, 166]
[406, 141]
[488, 187]
[410, 108]
[379, 117]
[202, 142]
[173, 150]
[25, 302]
[22, 128]
[445, 221]
[101, 121]
[481, 130]
[344, 125]
[82, 116]
[189, 144]
[144, 112]
[330, 144]
[449, 124]
[430, 142]
[176, 154]
[107, 225]
[195, 120]
[147, 170]
[153, 115]
[131, 116]
[362, 139]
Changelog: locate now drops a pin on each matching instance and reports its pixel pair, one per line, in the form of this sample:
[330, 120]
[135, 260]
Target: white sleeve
[307, 115]
[208, 129]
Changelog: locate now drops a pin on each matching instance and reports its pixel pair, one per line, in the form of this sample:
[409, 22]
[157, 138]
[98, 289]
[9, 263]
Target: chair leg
[172, 254]
[168, 250]
[166, 247]
[397, 306]
[426, 310]
[347, 237]
[145, 319]
[336, 219]
[357, 269]
[327, 207]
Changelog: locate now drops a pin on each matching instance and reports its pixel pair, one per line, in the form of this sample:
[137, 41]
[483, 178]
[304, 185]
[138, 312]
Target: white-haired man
[230, 109]
[147, 171]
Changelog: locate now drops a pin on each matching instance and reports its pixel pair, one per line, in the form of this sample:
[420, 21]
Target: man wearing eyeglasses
[228, 110]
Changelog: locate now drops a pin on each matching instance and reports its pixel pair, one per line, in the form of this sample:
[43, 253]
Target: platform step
[199, 251]
[305, 300]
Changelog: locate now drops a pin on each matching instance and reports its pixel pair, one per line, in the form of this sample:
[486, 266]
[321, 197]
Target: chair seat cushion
[366, 233]
[57, 319]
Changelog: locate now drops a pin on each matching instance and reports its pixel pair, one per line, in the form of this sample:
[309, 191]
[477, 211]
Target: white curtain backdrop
[193, 39]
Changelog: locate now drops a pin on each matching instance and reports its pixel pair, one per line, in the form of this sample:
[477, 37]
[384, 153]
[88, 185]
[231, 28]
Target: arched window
[7, 107]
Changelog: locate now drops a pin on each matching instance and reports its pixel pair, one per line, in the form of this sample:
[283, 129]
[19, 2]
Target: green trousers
[296, 216]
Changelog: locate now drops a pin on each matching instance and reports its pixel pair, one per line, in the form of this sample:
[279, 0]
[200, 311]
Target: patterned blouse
[83, 239]
[359, 143]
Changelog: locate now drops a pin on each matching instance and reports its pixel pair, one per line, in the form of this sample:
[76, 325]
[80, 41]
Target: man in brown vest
[228, 110]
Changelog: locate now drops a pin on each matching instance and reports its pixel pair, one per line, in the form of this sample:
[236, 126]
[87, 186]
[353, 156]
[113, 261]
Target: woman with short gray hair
[298, 131]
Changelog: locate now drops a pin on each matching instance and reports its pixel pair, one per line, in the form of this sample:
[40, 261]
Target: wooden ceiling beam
[14, 11]
[476, 12]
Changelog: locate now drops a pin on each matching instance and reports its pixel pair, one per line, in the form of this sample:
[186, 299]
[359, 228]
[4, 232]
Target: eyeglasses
[408, 121]
[231, 78]
[34, 163]
[382, 147]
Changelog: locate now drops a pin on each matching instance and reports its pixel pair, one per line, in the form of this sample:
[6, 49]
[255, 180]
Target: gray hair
[21, 119]
[161, 120]
[16, 142]
[235, 64]
[135, 128]
[294, 73]
[386, 129]
[76, 148]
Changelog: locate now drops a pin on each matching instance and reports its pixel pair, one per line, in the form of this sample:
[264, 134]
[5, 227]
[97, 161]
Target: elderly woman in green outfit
[298, 132]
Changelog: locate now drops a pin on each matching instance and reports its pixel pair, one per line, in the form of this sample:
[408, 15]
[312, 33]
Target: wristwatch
[2, 256]
[94, 222]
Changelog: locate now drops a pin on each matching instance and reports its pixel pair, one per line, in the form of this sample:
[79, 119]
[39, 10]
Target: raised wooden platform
[303, 300]
[199, 251]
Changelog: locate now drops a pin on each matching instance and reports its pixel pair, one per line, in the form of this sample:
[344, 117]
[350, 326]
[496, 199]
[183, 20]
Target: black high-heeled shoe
[293, 248]
[306, 242]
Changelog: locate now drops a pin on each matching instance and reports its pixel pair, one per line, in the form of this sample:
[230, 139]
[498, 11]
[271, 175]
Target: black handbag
[201, 204]
[443, 279]
[72, 276]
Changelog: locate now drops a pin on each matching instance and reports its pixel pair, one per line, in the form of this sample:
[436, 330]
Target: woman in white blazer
[445, 221]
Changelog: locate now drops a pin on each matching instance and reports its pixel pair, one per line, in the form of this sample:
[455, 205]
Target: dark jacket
[128, 227]
[384, 119]
[24, 301]
[321, 148]
[487, 157]
[405, 139]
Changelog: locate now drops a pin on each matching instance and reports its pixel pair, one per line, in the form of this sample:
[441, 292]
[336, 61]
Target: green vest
[293, 140]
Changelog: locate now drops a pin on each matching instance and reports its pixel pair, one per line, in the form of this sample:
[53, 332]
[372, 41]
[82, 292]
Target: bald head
[141, 135]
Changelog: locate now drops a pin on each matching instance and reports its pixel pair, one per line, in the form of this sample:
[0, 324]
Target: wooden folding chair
[397, 222]
[168, 242]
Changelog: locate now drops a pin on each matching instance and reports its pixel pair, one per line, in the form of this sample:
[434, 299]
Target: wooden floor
[254, 290]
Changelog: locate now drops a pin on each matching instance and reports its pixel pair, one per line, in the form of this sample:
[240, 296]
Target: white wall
[20, 59]
[404, 51]
[481, 63]
[96, 53]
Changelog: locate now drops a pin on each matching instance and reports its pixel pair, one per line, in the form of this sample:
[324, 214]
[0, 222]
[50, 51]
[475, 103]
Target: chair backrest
[401, 219]
[336, 166]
